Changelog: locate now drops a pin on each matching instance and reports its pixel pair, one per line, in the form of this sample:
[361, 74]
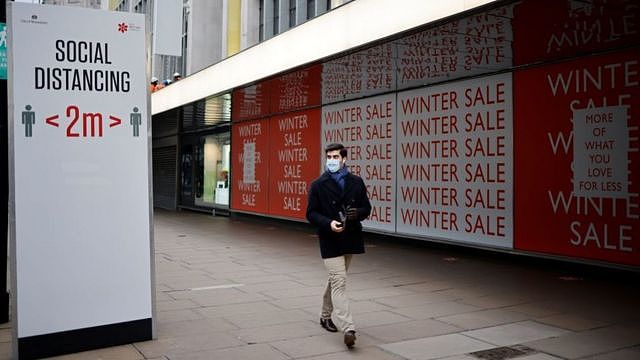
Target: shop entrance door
[187, 174]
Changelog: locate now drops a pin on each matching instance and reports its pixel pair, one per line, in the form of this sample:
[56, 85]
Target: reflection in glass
[364, 73]
[473, 45]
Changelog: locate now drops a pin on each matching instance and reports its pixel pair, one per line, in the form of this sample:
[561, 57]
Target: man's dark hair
[336, 146]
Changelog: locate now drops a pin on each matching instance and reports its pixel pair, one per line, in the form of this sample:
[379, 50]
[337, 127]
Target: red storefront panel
[577, 174]
[549, 29]
[250, 102]
[295, 155]
[296, 90]
[250, 159]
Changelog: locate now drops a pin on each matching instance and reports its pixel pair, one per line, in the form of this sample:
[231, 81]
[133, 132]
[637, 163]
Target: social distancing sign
[80, 198]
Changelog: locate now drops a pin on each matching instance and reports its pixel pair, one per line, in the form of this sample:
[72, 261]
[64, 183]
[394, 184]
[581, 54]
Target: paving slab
[200, 326]
[125, 352]
[572, 322]
[483, 318]
[174, 346]
[589, 343]
[539, 356]
[436, 347]
[414, 299]
[358, 353]
[269, 318]
[624, 354]
[170, 305]
[251, 352]
[170, 316]
[377, 318]
[319, 345]
[516, 333]
[236, 309]
[299, 302]
[288, 331]
[435, 310]
[409, 330]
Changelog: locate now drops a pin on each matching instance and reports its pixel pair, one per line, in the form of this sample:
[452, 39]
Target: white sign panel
[80, 168]
[366, 128]
[455, 161]
[249, 163]
[167, 27]
[601, 152]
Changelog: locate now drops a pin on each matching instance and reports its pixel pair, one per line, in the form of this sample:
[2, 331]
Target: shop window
[311, 9]
[213, 157]
[276, 17]
[261, 25]
[292, 13]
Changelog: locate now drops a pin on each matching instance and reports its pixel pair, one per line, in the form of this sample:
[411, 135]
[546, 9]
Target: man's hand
[352, 213]
[337, 226]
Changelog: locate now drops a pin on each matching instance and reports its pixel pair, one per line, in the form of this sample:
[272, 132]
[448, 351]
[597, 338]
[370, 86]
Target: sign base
[65, 342]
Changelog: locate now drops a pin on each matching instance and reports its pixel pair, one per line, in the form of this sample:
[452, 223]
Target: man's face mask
[333, 165]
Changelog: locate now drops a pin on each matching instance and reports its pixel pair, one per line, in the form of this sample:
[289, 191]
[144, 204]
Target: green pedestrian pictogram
[28, 119]
[136, 121]
[3, 51]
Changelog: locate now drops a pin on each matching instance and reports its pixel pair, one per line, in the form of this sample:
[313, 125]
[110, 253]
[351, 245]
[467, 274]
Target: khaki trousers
[335, 300]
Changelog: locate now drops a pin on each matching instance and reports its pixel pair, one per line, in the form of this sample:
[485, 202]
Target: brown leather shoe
[328, 325]
[350, 338]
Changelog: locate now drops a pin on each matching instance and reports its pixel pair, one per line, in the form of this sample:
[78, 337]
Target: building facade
[214, 30]
[489, 127]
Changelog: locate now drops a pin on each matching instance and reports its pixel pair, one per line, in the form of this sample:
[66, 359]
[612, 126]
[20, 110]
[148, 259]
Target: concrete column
[268, 19]
[301, 11]
[284, 15]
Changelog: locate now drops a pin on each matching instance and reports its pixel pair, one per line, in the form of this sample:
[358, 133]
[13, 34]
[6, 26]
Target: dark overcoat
[326, 200]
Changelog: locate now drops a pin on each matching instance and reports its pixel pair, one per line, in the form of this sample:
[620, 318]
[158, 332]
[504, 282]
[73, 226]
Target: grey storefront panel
[165, 124]
[164, 177]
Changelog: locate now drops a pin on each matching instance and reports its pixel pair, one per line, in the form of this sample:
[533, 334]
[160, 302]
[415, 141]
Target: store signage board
[293, 164]
[455, 161]
[80, 213]
[585, 185]
[250, 159]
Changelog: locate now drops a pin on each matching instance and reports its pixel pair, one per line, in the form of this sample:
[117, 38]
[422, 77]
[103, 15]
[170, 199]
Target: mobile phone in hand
[343, 216]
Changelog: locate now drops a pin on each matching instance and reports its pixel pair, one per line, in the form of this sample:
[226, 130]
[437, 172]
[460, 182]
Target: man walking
[337, 204]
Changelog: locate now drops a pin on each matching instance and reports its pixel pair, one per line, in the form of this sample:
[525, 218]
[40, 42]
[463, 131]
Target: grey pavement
[240, 288]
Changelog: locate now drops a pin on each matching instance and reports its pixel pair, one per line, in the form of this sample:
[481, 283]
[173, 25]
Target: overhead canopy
[352, 25]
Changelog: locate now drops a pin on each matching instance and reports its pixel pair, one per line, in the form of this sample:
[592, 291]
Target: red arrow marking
[50, 121]
[115, 121]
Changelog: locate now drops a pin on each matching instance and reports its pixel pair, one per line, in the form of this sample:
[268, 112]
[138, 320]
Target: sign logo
[123, 27]
[33, 19]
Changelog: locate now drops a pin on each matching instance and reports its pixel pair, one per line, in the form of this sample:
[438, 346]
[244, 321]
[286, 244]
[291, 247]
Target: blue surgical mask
[333, 165]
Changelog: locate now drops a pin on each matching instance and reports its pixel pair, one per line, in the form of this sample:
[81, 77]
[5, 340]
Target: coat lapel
[332, 186]
[348, 184]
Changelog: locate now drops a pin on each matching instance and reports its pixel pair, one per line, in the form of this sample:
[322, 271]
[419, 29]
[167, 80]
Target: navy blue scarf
[339, 176]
